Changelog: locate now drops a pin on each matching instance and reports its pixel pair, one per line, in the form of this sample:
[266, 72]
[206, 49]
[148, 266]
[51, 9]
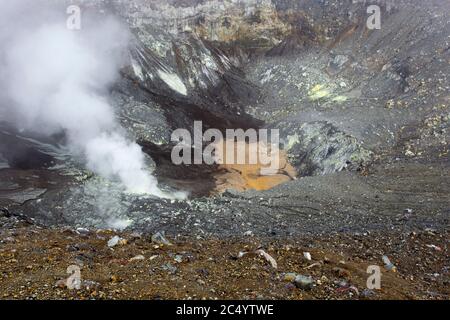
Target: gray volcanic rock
[145, 121]
[340, 202]
[319, 148]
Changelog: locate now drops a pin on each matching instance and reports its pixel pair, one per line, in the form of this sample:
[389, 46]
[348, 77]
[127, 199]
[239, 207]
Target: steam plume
[53, 79]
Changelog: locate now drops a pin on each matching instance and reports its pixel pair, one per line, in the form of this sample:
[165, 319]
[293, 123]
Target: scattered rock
[201, 282]
[432, 246]
[317, 264]
[388, 264]
[71, 248]
[82, 231]
[248, 233]
[409, 153]
[268, 257]
[114, 241]
[304, 282]
[289, 277]
[160, 239]
[137, 258]
[307, 256]
[339, 61]
[90, 285]
[170, 268]
[241, 254]
[341, 283]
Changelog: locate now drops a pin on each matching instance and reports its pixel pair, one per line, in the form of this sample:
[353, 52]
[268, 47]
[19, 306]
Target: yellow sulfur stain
[318, 92]
[339, 99]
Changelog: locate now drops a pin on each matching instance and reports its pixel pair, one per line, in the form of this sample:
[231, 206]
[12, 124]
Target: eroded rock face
[183, 78]
[319, 148]
[145, 121]
[320, 62]
[254, 23]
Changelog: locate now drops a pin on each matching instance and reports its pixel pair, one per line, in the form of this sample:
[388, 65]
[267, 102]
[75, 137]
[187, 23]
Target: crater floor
[364, 120]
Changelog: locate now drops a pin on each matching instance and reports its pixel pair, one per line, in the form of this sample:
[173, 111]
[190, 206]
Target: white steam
[53, 79]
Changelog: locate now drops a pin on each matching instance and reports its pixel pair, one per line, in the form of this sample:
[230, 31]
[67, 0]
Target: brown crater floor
[252, 173]
[249, 174]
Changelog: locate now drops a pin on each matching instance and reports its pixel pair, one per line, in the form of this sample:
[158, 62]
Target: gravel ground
[34, 261]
